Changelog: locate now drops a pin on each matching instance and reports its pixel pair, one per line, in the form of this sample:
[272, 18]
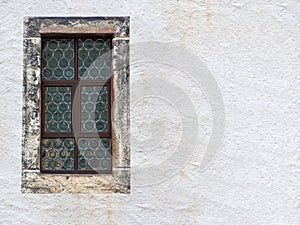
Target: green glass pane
[100, 125]
[57, 116]
[82, 72]
[58, 54]
[94, 108]
[44, 63]
[105, 164]
[63, 63]
[52, 63]
[57, 154]
[52, 45]
[69, 54]
[64, 44]
[67, 116]
[82, 54]
[67, 97]
[47, 73]
[100, 106]
[63, 90]
[94, 61]
[47, 54]
[83, 143]
[48, 117]
[68, 73]
[57, 98]
[58, 60]
[94, 54]
[58, 72]
[99, 44]
[94, 154]
[58, 109]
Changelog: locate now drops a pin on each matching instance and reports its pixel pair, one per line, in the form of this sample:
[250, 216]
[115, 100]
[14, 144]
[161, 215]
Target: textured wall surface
[251, 49]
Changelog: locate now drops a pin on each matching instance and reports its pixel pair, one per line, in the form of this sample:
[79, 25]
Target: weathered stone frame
[32, 180]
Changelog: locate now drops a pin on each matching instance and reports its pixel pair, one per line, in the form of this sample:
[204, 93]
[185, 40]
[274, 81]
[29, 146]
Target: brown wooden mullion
[76, 59]
[57, 135]
[75, 100]
[94, 135]
[76, 124]
[73, 119]
[65, 83]
[76, 155]
[61, 83]
[94, 82]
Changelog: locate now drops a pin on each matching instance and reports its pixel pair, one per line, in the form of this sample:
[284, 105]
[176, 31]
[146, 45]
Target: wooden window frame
[76, 89]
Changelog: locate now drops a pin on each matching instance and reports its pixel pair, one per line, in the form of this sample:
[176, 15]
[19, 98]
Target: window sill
[117, 182]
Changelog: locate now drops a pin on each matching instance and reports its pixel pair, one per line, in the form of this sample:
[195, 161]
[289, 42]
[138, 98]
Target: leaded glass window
[76, 105]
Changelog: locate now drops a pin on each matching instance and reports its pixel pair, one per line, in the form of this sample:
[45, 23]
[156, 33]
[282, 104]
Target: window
[76, 136]
[76, 103]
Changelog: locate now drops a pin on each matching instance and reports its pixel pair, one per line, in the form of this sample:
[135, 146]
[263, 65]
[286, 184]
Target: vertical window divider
[75, 154]
[77, 107]
[76, 59]
[74, 123]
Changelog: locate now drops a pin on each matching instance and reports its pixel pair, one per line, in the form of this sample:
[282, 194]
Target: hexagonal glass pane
[94, 108]
[94, 154]
[94, 59]
[58, 109]
[57, 154]
[58, 60]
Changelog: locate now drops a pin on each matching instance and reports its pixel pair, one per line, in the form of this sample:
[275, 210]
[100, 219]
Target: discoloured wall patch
[190, 16]
[109, 211]
[34, 25]
[208, 13]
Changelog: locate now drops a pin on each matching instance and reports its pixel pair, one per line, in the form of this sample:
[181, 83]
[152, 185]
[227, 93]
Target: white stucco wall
[250, 47]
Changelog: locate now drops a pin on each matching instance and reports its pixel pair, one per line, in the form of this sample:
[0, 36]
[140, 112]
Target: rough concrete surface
[251, 48]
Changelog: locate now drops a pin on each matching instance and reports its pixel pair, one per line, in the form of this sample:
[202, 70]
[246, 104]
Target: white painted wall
[251, 48]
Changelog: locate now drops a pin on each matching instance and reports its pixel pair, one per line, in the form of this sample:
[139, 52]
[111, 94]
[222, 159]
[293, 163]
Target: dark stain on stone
[32, 25]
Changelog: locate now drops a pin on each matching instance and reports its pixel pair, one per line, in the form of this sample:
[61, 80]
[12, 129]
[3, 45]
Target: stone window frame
[32, 180]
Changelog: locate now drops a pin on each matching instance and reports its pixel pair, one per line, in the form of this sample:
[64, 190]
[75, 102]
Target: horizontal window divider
[66, 83]
[49, 38]
[81, 135]
[60, 36]
[94, 135]
[57, 135]
[93, 83]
